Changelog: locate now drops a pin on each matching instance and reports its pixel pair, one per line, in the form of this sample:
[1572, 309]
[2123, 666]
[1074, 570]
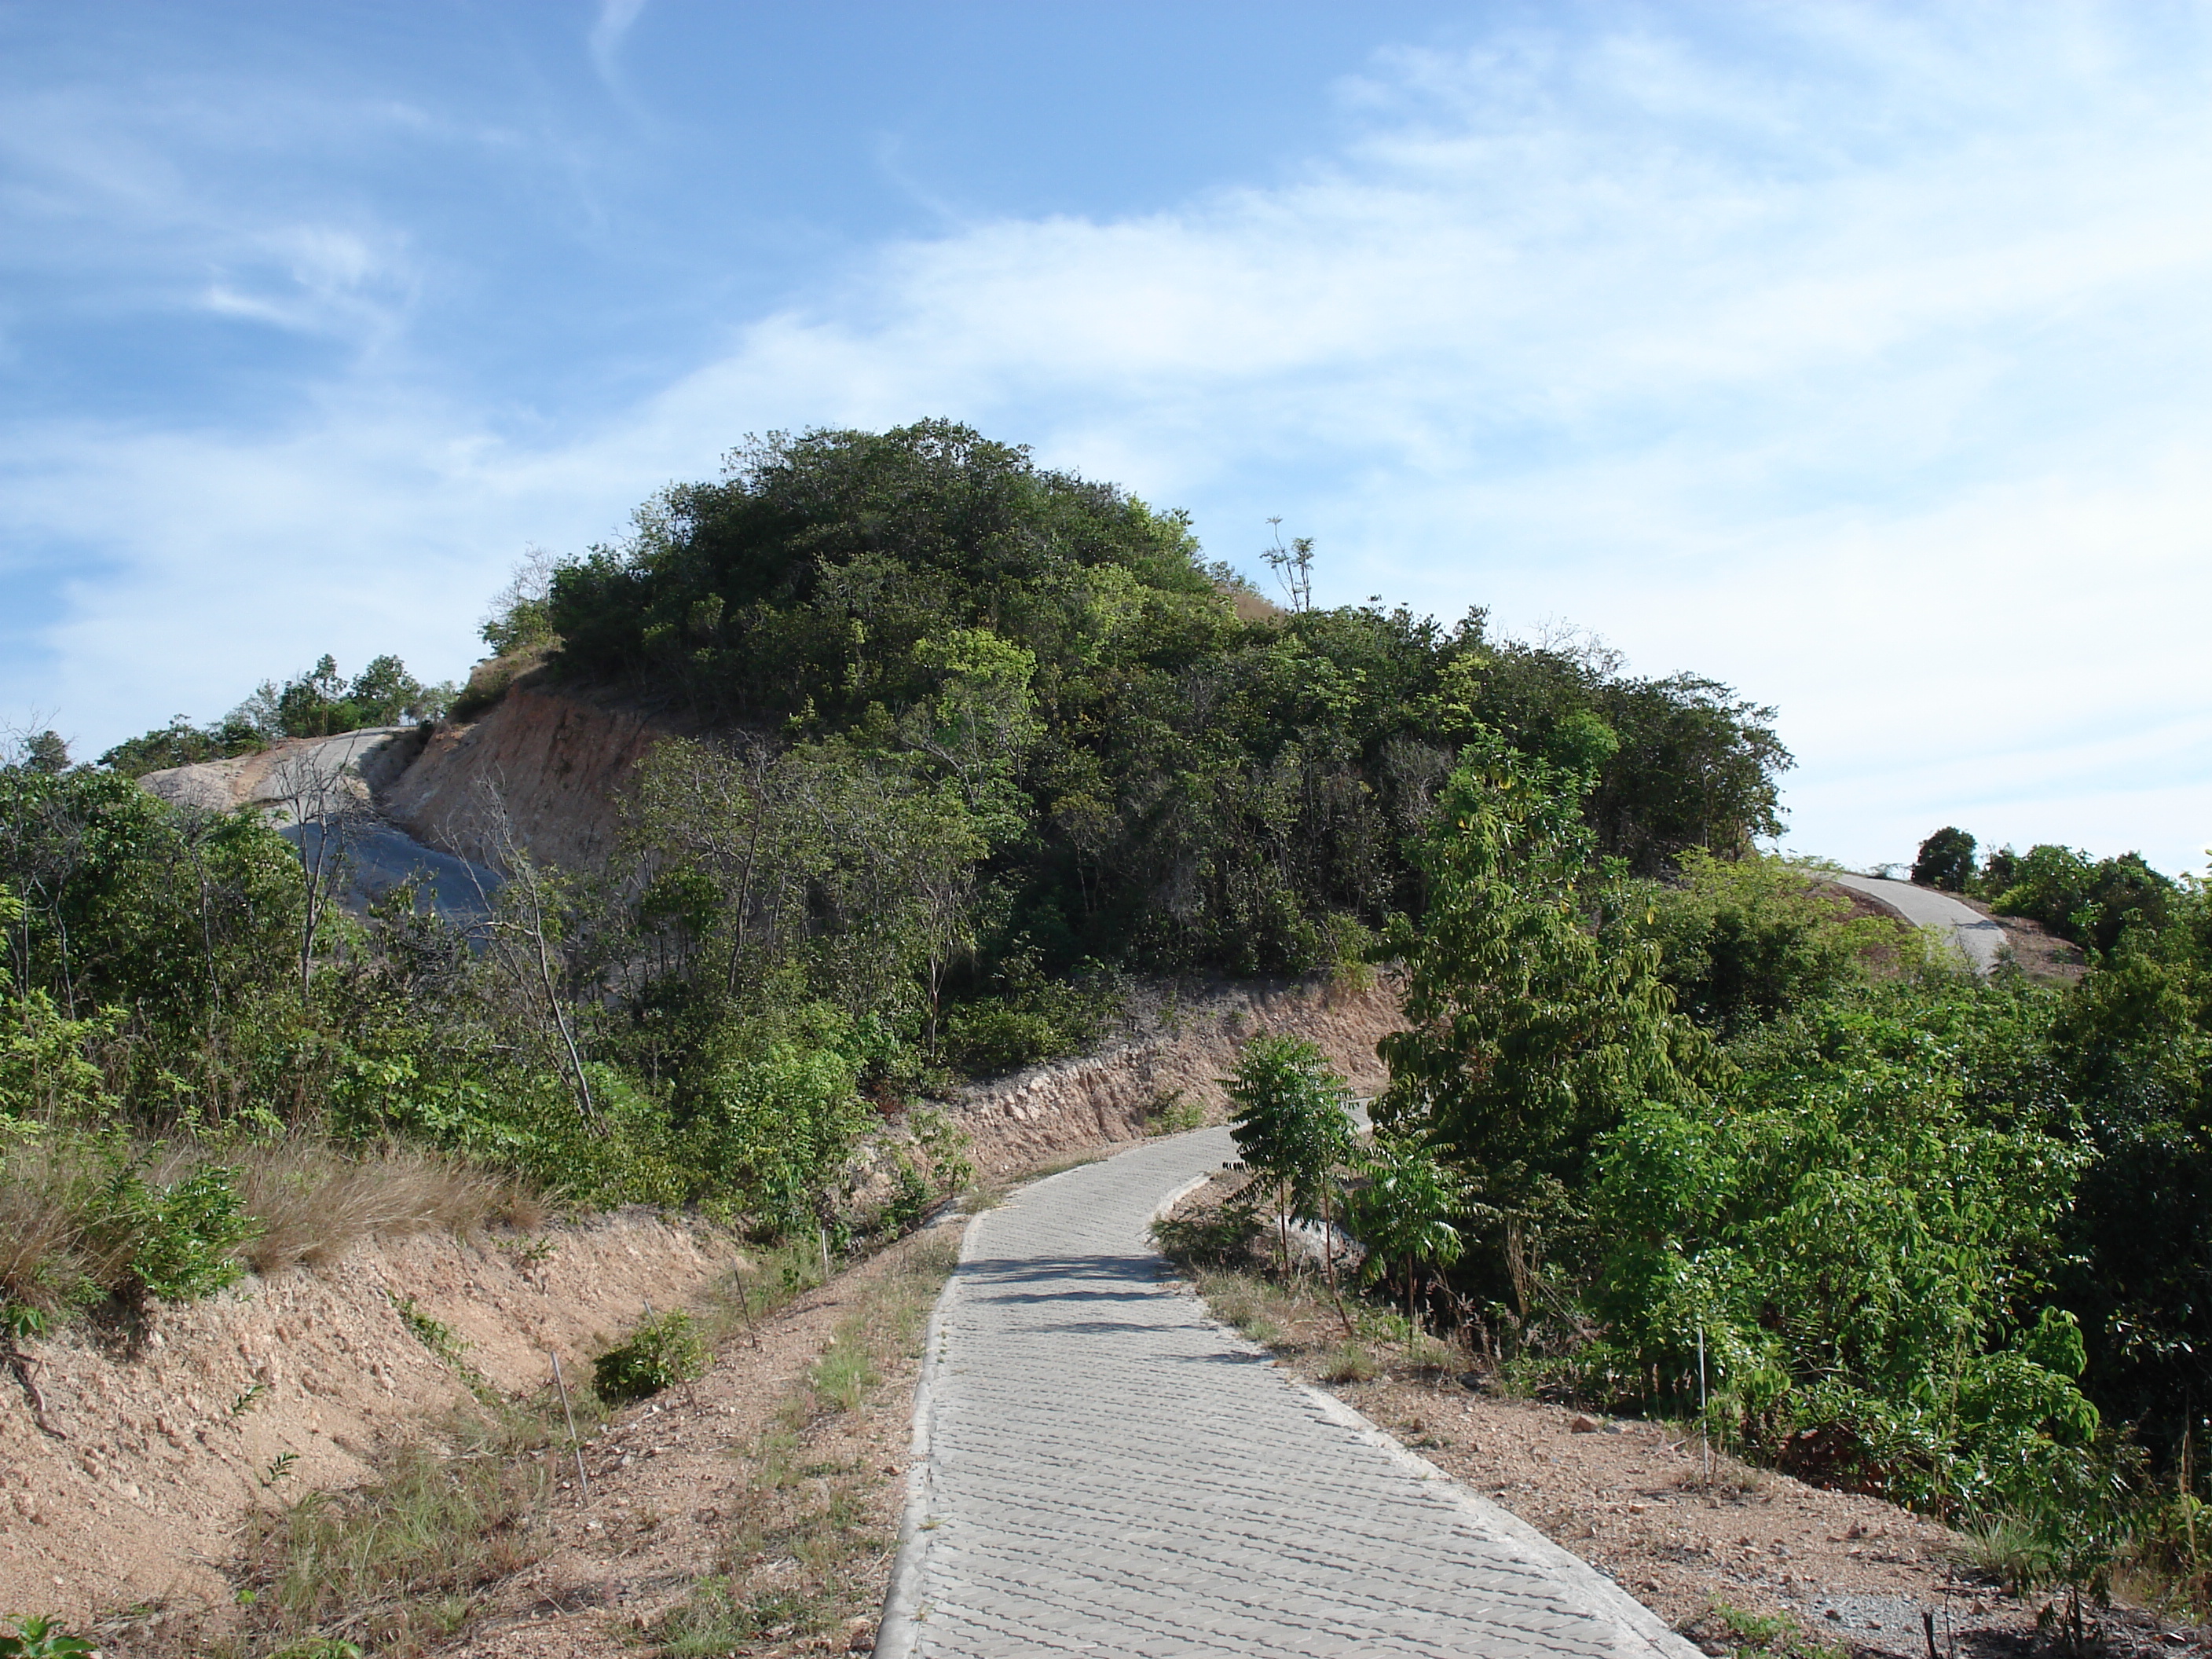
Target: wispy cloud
[615, 20]
[1854, 355]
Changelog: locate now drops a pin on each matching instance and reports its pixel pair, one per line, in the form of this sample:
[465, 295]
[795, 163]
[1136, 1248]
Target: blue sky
[1855, 356]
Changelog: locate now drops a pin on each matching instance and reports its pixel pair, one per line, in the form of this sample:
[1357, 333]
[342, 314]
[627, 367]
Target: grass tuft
[406, 1562]
[85, 1216]
[1350, 1363]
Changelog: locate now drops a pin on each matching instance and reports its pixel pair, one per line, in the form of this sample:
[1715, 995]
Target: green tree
[1946, 860]
[1408, 1208]
[1292, 1128]
[45, 751]
[1532, 1028]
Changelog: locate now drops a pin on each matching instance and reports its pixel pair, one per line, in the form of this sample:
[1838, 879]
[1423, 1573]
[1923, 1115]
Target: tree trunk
[1329, 1262]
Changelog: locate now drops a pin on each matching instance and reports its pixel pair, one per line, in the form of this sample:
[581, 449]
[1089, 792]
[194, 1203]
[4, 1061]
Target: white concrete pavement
[1923, 907]
[1103, 1469]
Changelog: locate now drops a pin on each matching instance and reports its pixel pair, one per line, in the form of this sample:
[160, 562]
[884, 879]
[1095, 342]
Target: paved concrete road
[1108, 1472]
[1976, 934]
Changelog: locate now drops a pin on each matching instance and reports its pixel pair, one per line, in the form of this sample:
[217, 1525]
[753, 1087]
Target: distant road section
[1923, 907]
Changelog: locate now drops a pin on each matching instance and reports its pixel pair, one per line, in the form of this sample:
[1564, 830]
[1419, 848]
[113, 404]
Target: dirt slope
[165, 1453]
[561, 763]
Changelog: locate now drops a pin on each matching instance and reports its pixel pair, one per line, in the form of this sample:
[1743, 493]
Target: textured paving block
[1110, 1472]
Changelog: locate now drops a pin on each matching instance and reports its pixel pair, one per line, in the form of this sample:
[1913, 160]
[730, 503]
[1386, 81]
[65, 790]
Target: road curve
[1100, 1468]
[1923, 907]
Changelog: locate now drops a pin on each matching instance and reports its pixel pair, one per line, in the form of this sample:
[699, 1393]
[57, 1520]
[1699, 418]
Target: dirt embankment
[1166, 1069]
[177, 1433]
[561, 762]
[287, 1385]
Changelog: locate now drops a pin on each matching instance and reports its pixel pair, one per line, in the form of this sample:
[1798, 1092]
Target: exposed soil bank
[169, 1445]
[1177, 1045]
[561, 763]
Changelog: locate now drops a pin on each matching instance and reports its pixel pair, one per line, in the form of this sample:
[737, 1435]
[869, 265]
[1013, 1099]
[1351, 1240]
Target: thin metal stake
[583, 1480]
[822, 1238]
[1705, 1437]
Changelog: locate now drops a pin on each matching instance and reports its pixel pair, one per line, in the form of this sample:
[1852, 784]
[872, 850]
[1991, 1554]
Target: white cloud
[1858, 363]
[615, 20]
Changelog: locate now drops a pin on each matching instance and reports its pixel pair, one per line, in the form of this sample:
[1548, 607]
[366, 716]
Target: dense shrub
[663, 1351]
[2092, 904]
[85, 1216]
[1742, 940]
[1860, 1241]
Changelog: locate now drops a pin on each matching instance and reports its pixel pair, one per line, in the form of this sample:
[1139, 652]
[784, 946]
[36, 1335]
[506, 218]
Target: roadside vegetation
[973, 743]
[1709, 1149]
[979, 741]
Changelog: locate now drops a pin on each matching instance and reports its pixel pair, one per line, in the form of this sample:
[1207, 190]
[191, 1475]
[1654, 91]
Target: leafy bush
[1531, 1031]
[182, 743]
[663, 1351]
[1033, 1018]
[2091, 903]
[43, 1638]
[176, 1241]
[1857, 1239]
[772, 1130]
[84, 1216]
[1743, 939]
[987, 1040]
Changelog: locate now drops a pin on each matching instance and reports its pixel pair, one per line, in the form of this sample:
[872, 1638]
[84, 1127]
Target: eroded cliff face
[561, 763]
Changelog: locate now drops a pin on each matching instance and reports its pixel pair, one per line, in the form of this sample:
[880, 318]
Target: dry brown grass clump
[407, 1561]
[40, 1225]
[76, 1211]
[315, 1203]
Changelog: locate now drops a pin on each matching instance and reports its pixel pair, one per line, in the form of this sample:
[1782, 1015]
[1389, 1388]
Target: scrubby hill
[888, 765]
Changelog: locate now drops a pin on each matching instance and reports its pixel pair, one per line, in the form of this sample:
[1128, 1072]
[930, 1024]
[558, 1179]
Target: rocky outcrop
[561, 763]
[364, 763]
[339, 784]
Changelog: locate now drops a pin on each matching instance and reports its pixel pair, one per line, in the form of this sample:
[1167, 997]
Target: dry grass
[408, 1561]
[314, 1203]
[61, 1246]
[41, 1223]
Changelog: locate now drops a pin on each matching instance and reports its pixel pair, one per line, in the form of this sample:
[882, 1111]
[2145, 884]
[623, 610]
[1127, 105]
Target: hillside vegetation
[971, 742]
